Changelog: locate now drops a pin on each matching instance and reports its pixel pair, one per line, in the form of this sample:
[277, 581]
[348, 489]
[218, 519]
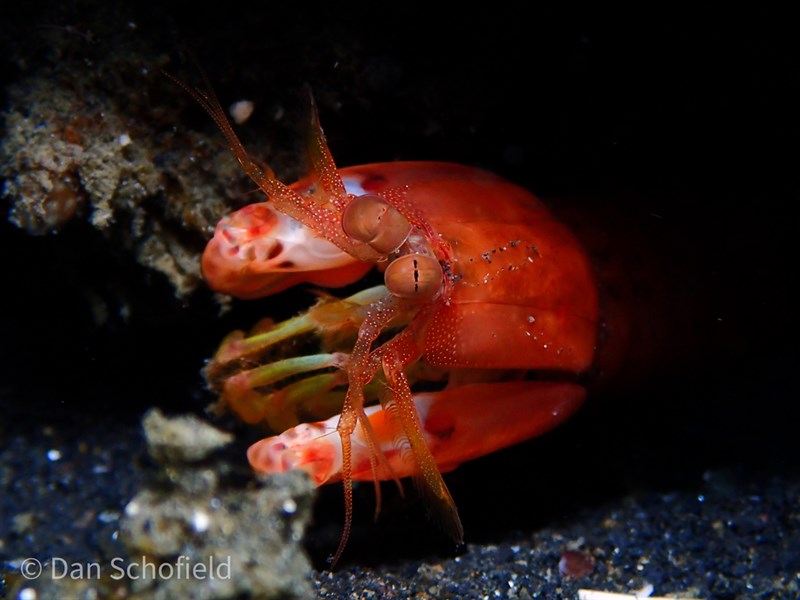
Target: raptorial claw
[458, 425]
[258, 251]
[303, 447]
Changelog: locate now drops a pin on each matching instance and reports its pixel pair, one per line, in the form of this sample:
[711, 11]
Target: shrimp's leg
[360, 371]
[427, 476]
[328, 316]
[249, 388]
[282, 408]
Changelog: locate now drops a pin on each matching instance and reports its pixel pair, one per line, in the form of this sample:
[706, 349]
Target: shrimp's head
[257, 251]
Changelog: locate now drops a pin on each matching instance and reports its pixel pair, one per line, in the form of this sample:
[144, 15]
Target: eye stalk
[414, 277]
[371, 220]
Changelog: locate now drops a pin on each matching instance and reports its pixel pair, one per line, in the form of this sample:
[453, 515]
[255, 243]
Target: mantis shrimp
[488, 300]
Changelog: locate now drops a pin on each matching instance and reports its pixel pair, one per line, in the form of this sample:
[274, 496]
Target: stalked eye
[414, 277]
[371, 220]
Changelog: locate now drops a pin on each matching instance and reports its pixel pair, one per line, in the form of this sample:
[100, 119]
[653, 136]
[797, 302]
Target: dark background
[686, 116]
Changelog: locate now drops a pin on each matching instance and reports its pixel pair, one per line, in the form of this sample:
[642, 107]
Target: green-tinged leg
[328, 317]
[244, 393]
[251, 389]
[311, 399]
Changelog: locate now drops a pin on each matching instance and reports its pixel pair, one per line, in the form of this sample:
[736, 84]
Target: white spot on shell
[352, 185]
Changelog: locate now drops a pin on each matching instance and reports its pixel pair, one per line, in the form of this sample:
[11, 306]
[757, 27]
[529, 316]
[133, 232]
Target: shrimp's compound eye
[371, 220]
[414, 277]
